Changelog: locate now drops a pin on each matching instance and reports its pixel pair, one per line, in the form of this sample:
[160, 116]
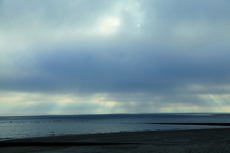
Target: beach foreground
[204, 140]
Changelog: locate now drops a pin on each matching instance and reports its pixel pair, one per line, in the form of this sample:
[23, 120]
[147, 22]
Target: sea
[17, 127]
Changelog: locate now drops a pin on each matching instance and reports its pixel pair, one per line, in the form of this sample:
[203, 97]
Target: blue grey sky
[123, 56]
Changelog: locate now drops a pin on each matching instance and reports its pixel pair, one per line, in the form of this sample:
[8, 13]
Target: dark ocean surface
[14, 127]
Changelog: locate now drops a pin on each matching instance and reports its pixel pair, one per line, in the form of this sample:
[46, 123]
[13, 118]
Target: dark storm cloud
[147, 71]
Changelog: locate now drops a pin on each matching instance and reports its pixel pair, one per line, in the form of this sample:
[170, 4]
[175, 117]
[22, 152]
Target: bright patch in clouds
[108, 26]
[17, 103]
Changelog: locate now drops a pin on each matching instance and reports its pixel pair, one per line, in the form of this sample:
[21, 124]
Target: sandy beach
[203, 140]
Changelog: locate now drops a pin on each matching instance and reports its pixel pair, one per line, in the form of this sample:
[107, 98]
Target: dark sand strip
[179, 141]
[16, 144]
[211, 124]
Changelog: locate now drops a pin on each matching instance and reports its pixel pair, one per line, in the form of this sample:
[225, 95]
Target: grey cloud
[59, 11]
[178, 10]
[148, 71]
[206, 18]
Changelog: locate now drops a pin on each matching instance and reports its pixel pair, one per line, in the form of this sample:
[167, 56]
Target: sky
[105, 56]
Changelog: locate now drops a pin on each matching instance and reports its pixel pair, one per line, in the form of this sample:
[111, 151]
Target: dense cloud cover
[133, 56]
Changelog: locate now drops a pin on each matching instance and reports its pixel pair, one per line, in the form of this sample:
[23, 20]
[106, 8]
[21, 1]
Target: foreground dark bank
[212, 124]
[202, 140]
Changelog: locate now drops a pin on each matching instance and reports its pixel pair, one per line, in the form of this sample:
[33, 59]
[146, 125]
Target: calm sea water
[12, 127]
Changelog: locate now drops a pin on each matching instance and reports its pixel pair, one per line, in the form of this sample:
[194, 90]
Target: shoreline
[51, 137]
[217, 139]
[77, 137]
[211, 126]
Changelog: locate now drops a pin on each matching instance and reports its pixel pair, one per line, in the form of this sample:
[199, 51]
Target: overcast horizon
[103, 57]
